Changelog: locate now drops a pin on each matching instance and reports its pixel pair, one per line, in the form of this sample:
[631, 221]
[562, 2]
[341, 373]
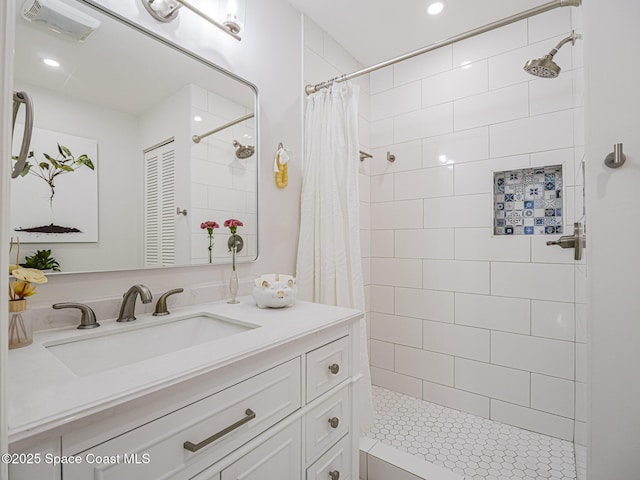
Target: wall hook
[181, 211]
[391, 157]
[616, 158]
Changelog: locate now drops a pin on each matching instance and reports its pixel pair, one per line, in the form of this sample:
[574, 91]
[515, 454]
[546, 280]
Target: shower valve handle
[575, 241]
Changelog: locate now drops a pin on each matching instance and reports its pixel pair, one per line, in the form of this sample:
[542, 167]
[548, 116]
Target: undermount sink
[86, 356]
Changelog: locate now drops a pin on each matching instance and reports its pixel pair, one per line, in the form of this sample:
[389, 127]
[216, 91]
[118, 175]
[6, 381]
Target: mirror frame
[176, 47]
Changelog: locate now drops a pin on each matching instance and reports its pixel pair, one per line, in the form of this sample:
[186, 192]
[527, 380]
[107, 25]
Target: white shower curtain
[329, 267]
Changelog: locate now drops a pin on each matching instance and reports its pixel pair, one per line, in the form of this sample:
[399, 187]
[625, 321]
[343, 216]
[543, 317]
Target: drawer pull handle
[334, 422]
[334, 475]
[193, 447]
[334, 368]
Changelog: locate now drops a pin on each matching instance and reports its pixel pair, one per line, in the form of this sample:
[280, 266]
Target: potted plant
[41, 260]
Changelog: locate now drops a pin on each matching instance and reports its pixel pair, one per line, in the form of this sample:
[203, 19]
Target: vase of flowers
[232, 224]
[209, 226]
[22, 286]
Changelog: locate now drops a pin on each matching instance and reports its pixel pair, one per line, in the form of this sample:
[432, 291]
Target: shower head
[545, 67]
[243, 151]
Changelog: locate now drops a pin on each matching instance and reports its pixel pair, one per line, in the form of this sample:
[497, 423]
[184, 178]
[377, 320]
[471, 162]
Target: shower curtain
[329, 265]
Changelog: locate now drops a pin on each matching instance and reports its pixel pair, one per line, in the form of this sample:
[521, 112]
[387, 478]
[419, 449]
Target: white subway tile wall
[489, 325]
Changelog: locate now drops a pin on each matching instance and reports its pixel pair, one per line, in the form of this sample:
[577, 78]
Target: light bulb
[232, 8]
[51, 62]
[435, 8]
[232, 23]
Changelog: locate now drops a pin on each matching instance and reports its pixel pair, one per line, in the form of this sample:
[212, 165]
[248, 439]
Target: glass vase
[233, 281]
[233, 287]
[20, 329]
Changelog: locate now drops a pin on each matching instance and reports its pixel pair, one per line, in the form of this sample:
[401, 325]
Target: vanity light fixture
[167, 11]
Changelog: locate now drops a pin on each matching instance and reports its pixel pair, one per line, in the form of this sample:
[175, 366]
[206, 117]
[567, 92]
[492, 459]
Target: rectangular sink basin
[87, 356]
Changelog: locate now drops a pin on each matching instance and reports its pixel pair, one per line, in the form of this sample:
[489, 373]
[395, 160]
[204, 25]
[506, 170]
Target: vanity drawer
[326, 423]
[213, 426]
[327, 366]
[335, 464]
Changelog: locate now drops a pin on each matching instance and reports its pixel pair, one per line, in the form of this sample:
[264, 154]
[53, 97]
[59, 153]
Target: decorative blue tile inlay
[528, 201]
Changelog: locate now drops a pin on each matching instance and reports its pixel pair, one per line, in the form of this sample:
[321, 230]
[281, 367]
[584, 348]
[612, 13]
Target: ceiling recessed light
[197, 118]
[435, 8]
[51, 62]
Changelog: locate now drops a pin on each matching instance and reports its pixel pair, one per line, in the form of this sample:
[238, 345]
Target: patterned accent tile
[529, 193]
[478, 448]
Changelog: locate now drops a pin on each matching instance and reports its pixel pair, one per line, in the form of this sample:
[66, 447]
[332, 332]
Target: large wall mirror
[116, 181]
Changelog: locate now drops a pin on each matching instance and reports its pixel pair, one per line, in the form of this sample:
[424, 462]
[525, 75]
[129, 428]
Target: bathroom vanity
[273, 399]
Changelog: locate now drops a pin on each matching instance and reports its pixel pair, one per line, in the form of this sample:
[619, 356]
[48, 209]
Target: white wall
[612, 47]
[480, 323]
[271, 43]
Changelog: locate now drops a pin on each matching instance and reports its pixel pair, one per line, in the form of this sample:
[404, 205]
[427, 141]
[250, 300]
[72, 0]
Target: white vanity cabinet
[284, 413]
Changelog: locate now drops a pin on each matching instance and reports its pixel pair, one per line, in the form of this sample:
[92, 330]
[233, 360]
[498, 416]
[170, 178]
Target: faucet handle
[161, 304]
[88, 318]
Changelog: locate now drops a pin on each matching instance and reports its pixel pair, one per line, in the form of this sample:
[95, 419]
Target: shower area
[477, 325]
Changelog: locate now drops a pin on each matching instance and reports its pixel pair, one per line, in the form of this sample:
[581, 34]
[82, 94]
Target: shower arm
[571, 38]
[197, 138]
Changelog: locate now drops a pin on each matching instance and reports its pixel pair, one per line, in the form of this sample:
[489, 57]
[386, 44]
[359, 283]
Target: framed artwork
[56, 199]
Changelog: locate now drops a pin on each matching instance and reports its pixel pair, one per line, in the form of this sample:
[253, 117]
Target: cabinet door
[277, 458]
[33, 463]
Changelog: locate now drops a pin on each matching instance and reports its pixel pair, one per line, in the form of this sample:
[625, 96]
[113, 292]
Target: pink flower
[209, 225]
[233, 224]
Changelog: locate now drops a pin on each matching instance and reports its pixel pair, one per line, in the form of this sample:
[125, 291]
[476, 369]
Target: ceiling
[377, 30]
[117, 66]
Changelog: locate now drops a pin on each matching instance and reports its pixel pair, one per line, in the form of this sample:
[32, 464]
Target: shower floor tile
[478, 448]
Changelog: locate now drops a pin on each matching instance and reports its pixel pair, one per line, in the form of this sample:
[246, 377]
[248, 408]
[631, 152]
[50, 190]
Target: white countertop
[43, 393]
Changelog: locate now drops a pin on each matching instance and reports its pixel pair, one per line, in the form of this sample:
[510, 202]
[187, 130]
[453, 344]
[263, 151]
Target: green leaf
[66, 168]
[25, 170]
[87, 161]
[51, 159]
[44, 165]
[66, 151]
[54, 162]
[60, 150]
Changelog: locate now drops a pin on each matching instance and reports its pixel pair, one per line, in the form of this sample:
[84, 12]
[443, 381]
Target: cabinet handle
[334, 475]
[334, 368]
[334, 422]
[192, 447]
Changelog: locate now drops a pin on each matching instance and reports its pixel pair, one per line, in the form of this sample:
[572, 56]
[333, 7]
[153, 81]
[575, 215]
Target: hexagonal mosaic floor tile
[478, 448]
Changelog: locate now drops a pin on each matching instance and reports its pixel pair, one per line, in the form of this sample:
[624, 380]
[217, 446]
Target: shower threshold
[412, 439]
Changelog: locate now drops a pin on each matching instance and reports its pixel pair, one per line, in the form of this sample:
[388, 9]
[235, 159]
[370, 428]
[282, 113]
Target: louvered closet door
[160, 206]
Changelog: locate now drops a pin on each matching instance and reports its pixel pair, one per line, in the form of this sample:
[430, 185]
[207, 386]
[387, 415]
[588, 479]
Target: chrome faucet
[88, 318]
[128, 307]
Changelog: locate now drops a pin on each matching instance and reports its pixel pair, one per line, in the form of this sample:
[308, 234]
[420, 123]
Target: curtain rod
[197, 138]
[309, 89]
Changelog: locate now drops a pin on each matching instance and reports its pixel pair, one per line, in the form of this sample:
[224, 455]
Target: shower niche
[528, 201]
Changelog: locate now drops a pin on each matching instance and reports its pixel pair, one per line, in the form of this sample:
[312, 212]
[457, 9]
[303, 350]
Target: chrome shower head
[243, 151]
[545, 67]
